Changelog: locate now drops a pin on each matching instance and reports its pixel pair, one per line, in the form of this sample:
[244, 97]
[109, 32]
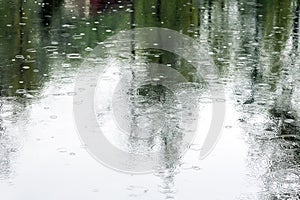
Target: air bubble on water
[31, 50]
[66, 65]
[95, 190]
[71, 93]
[289, 121]
[21, 91]
[88, 49]
[220, 100]
[73, 56]
[53, 116]
[77, 37]
[26, 67]
[196, 168]
[84, 146]
[205, 100]
[61, 150]
[185, 166]
[19, 56]
[54, 43]
[128, 10]
[195, 147]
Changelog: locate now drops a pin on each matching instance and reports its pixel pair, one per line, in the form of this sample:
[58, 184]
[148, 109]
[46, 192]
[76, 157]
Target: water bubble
[185, 166]
[61, 150]
[71, 93]
[195, 147]
[21, 91]
[66, 65]
[88, 49]
[53, 116]
[26, 67]
[19, 56]
[205, 100]
[73, 56]
[31, 50]
[289, 121]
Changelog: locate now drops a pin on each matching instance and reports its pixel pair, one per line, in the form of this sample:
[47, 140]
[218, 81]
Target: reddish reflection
[101, 5]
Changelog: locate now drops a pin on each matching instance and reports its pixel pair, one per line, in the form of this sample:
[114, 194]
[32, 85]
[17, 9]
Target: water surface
[254, 45]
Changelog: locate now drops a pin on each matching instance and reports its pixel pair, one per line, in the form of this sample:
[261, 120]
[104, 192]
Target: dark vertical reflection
[48, 9]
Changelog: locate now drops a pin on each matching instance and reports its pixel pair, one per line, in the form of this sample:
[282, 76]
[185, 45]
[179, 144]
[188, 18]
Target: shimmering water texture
[252, 47]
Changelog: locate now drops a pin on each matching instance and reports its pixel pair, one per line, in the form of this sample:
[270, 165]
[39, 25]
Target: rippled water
[254, 45]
